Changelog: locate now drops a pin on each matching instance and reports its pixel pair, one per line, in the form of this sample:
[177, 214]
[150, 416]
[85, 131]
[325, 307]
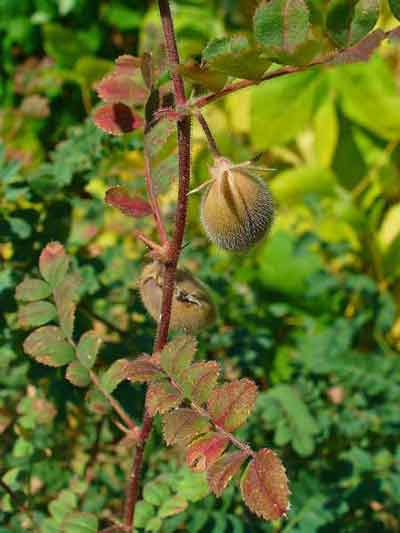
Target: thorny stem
[210, 137]
[174, 250]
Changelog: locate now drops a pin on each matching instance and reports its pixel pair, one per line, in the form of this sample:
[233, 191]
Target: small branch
[148, 242]
[114, 403]
[210, 138]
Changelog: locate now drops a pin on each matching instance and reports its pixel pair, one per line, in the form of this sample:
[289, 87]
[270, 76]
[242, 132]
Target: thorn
[200, 187]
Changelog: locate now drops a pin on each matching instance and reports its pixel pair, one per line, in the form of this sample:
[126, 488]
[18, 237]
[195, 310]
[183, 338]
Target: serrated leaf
[199, 380]
[178, 354]
[281, 26]
[116, 119]
[36, 314]
[77, 374]
[236, 57]
[230, 404]
[88, 348]
[182, 425]
[204, 451]
[79, 523]
[264, 486]
[143, 369]
[115, 375]
[162, 397]
[54, 263]
[223, 470]
[172, 506]
[127, 65]
[30, 290]
[48, 346]
[132, 206]
[366, 13]
[156, 492]
[114, 89]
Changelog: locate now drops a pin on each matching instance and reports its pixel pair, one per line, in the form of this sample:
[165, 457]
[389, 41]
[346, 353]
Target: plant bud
[192, 306]
[237, 209]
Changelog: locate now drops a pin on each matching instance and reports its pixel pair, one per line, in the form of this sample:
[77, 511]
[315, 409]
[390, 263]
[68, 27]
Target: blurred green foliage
[311, 314]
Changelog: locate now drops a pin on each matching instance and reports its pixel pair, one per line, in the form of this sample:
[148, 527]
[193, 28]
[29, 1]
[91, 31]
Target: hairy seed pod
[237, 209]
[192, 306]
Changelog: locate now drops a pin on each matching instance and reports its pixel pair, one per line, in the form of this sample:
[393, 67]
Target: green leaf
[181, 426]
[88, 348]
[53, 263]
[65, 503]
[79, 523]
[395, 7]
[281, 108]
[156, 492]
[36, 314]
[172, 506]
[199, 380]
[366, 13]
[281, 26]
[66, 294]
[96, 402]
[236, 57]
[264, 486]
[293, 410]
[326, 127]
[31, 290]
[115, 375]
[154, 524]
[144, 512]
[230, 404]
[348, 22]
[48, 346]
[178, 354]
[77, 374]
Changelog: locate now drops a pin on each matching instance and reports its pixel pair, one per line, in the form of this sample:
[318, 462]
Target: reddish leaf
[116, 89]
[183, 425]
[66, 294]
[361, 51]
[36, 314]
[31, 290]
[35, 106]
[143, 369]
[162, 397]
[264, 486]
[53, 263]
[199, 380]
[133, 207]
[204, 451]
[116, 119]
[178, 354]
[223, 470]
[127, 65]
[230, 404]
[48, 346]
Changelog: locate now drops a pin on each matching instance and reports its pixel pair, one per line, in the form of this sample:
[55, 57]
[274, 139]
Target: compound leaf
[204, 451]
[36, 314]
[54, 263]
[88, 348]
[143, 369]
[162, 397]
[178, 354]
[77, 374]
[48, 346]
[199, 380]
[30, 290]
[223, 470]
[182, 425]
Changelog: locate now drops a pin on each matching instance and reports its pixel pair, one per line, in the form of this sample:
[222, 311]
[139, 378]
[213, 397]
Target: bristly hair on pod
[237, 208]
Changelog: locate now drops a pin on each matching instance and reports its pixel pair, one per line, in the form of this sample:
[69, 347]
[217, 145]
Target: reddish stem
[153, 201]
[174, 250]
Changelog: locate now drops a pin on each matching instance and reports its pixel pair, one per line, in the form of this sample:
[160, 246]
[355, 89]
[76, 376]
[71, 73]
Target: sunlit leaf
[79, 523]
[230, 404]
[172, 506]
[223, 470]
[31, 290]
[183, 425]
[264, 486]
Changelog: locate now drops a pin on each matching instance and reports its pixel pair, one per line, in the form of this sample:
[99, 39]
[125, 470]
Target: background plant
[338, 282]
